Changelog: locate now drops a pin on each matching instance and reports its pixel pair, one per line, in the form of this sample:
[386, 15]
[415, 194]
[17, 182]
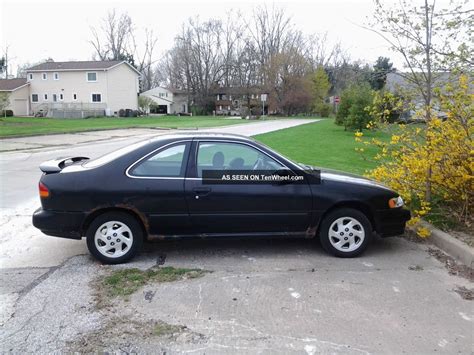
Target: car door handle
[201, 191]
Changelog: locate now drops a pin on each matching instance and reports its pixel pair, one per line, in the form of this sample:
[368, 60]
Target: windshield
[107, 158]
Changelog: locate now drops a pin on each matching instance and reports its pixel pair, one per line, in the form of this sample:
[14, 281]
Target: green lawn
[322, 144]
[22, 126]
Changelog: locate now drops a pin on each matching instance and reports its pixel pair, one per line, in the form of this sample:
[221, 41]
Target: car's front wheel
[114, 237]
[345, 232]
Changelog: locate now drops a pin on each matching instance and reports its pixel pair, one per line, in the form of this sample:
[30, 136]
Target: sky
[61, 30]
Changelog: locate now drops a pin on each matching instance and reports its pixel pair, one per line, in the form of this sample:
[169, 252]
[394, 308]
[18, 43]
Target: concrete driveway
[261, 296]
[266, 296]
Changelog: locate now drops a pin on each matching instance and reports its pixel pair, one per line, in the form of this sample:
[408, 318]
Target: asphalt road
[265, 296]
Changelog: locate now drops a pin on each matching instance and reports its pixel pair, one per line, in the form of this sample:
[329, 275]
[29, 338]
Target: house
[167, 101]
[82, 88]
[18, 95]
[239, 101]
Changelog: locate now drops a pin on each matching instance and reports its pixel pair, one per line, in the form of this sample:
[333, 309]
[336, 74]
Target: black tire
[131, 248]
[333, 216]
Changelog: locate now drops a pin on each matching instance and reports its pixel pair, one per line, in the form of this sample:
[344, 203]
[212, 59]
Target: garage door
[20, 107]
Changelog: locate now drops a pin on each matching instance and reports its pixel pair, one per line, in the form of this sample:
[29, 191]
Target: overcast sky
[35, 30]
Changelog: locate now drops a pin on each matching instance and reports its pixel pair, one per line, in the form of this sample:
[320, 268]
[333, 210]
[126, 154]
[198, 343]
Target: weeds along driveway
[257, 296]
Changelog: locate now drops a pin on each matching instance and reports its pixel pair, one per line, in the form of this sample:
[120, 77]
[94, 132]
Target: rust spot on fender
[137, 212]
[125, 206]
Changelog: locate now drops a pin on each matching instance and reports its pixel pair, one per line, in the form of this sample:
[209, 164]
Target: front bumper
[391, 222]
[59, 223]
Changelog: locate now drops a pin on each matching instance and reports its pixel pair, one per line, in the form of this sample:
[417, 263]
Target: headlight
[395, 202]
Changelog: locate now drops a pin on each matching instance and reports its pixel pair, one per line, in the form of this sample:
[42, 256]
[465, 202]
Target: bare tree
[113, 40]
[144, 60]
[5, 61]
[117, 39]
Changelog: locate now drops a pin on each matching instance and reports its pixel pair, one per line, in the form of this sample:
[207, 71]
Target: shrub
[325, 110]
[386, 107]
[352, 111]
[437, 158]
[7, 113]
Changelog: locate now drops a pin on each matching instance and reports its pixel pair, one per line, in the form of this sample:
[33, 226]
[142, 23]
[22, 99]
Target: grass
[29, 126]
[124, 282]
[163, 329]
[323, 144]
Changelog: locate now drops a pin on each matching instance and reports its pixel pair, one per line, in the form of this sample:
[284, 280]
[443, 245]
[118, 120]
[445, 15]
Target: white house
[167, 101]
[66, 88]
[18, 91]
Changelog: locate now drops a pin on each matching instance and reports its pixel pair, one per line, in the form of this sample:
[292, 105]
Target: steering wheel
[259, 164]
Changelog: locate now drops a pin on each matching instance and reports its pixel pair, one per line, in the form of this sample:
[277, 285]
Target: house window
[30, 76]
[96, 98]
[61, 97]
[45, 97]
[56, 76]
[34, 97]
[74, 97]
[55, 98]
[45, 76]
[92, 76]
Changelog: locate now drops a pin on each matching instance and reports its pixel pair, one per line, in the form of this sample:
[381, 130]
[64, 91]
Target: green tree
[379, 76]
[144, 103]
[321, 86]
[353, 111]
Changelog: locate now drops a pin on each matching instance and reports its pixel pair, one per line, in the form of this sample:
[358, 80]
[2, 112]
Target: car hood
[336, 175]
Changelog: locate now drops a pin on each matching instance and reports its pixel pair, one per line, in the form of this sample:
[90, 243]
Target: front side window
[34, 97]
[74, 97]
[30, 76]
[92, 76]
[45, 76]
[45, 97]
[233, 156]
[96, 98]
[166, 163]
[56, 76]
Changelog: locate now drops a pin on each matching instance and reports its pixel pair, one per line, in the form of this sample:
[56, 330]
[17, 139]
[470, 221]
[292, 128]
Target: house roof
[12, 84]
[237, 90]
[79, 65]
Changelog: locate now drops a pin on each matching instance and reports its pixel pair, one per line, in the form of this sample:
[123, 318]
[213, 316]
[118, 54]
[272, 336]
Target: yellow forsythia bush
[443, 147]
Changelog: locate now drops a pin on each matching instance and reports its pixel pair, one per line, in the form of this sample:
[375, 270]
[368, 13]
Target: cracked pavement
[263, 296]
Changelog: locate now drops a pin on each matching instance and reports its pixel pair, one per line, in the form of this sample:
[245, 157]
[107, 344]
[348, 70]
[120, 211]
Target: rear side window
[107, 158]
[169, 162]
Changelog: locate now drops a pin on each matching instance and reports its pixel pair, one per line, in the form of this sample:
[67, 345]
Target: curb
[452, 246]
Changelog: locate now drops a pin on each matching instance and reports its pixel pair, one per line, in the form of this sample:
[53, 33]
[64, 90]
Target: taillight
[43, 190]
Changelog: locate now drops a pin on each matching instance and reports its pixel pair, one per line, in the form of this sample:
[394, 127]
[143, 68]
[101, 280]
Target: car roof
[201, 135]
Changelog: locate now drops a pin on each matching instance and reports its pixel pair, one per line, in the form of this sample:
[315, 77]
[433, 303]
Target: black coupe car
[204, 184]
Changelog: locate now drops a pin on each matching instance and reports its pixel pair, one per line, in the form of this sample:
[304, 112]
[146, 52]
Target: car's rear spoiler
[56, 165]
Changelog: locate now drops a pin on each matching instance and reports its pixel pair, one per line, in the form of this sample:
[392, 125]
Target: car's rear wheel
[345, 232]
[114, 237]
